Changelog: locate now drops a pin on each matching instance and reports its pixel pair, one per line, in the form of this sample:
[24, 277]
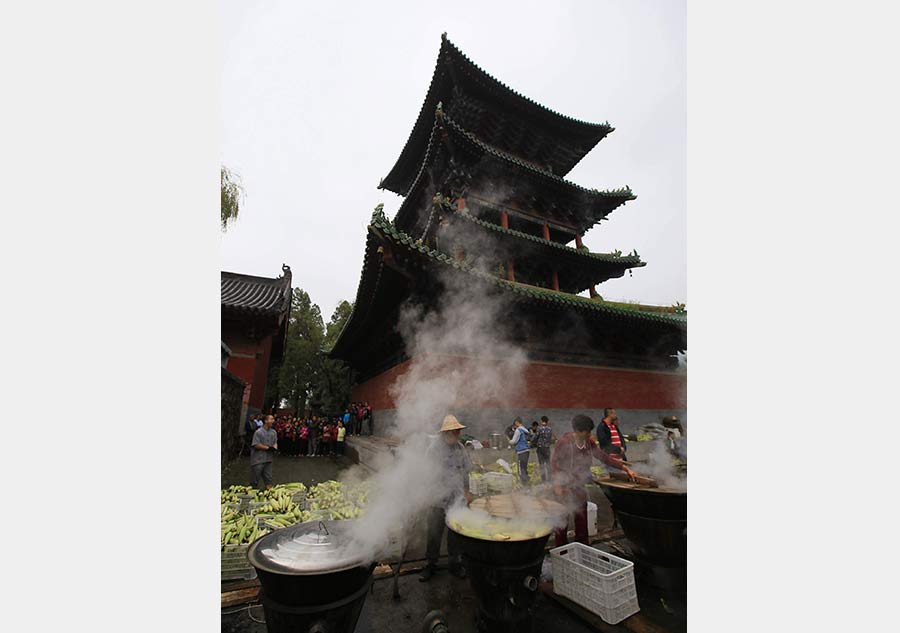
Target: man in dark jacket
[609, 437]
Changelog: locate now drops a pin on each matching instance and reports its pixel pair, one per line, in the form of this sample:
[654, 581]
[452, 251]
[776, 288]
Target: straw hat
[451, 424]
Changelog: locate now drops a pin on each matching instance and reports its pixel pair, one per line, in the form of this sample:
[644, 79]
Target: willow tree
[232, 196]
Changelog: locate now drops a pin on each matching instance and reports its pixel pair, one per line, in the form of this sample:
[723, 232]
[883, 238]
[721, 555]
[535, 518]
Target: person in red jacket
[570, 470]
[334, 436]
[326, 438]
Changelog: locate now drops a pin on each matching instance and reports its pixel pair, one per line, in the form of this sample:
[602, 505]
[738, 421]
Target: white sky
[318, 100]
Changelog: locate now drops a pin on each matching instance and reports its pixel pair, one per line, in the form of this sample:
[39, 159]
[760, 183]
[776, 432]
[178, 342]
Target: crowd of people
[316, 435]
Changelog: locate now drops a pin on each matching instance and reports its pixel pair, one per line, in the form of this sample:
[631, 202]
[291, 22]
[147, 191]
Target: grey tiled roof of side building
[259, 295]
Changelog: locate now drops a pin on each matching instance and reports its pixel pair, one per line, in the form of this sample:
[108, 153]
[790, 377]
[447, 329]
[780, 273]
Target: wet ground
[285, 469]
[382, 614]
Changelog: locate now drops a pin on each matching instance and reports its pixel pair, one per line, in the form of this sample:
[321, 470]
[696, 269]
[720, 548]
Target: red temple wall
[561, 386]
[250, 363]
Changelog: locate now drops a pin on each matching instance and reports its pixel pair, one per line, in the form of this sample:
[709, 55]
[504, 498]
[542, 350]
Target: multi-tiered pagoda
[486, 201]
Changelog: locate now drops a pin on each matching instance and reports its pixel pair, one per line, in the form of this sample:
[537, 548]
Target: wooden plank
[242, 596]
[635, 623]
[235, 585]
[387, 571]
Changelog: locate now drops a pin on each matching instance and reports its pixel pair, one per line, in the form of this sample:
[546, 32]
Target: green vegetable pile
[278, 507]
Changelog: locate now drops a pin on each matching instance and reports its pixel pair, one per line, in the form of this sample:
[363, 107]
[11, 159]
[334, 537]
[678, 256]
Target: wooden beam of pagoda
[555, 280]
[525, 215]
[387, 256]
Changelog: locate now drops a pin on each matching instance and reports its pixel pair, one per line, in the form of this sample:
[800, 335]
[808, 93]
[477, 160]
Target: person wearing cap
[570, 470]
[453, 460]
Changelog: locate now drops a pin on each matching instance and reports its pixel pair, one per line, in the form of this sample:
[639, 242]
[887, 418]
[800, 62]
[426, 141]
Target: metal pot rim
[263, 563]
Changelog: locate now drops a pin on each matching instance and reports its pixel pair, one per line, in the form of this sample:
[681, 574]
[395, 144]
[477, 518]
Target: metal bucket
[495, 440]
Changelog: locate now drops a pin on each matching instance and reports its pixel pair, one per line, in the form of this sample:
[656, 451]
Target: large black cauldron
[308, 583]
[654, 521]
[504, 576]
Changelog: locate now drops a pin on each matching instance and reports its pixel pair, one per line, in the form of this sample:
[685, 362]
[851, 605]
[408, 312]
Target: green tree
[334, 382]
[307, 378]
[338, 319]
[232, 196]
[297, 374]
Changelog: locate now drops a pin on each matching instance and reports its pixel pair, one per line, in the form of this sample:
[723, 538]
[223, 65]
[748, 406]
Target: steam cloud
[460, 360]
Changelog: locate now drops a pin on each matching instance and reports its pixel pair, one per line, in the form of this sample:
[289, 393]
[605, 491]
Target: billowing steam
[660, 466]
[461, 360]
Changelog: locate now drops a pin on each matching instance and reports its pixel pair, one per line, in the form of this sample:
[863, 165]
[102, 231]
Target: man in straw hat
[453, 461]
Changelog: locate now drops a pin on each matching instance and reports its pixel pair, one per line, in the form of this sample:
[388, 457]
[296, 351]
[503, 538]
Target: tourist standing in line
[341, 432]
[334, 434]
[346, 420]
[354, 421]
[313, 437]
[370, 418]
[303, 434]
[326, 438]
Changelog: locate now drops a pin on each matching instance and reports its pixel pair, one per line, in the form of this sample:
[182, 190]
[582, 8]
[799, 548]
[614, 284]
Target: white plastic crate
[499, 482]
[478, 485]
[600, 582]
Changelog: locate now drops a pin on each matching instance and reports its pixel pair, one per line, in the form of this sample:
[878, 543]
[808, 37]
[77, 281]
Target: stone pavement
[307, 470]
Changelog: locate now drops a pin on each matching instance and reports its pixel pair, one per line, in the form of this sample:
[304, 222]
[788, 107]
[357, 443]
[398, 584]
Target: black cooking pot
[310, 568]
[661, 503]
[500, 553]
[657, 541]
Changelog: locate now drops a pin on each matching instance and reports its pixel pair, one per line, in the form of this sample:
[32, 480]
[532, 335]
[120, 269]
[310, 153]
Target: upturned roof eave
[399, 178]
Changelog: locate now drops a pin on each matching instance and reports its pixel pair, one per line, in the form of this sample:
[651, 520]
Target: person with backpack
[542, 442]
[519, 441]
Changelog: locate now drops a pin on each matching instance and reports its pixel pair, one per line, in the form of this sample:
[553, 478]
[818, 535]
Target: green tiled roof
[626, 261]
[459, 135]
[455, 74]
[623, 193]
[391, 232]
